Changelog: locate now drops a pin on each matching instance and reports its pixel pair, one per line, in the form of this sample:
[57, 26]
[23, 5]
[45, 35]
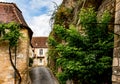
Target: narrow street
[41, 75]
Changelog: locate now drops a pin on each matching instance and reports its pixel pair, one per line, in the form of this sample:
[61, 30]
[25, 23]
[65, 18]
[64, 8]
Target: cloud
[36, 14]
[37, 5]
[41, 3]
[40, 25]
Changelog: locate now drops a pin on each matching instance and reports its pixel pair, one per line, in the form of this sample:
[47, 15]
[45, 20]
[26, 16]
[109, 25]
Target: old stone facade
[114, 7]
[116, 54]
[11, 13]
[40, 49]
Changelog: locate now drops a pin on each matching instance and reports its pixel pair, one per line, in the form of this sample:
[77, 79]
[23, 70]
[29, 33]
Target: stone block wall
[23, 56]
[6, 70]
[116, 54]
[113, 6]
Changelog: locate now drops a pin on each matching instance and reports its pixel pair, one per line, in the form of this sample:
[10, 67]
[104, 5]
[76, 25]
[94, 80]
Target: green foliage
[51, 41]
[85, 58]
[87, 15]
[62, 76]
[10, 32]
[30, 62]
[62, 15]
[105, 17]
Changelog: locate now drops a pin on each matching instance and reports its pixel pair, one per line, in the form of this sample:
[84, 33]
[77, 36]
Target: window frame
[40, 51]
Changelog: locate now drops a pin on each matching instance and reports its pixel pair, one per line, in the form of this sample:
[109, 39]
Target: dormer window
[36, 44]
[46, 43]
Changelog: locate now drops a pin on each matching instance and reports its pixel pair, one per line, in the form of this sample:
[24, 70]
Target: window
[40, 51]
[40, 60]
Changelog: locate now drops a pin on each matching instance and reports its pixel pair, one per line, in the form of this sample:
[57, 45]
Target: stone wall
[108, 5]
[6, 70]
[116, 54]
[113, 6]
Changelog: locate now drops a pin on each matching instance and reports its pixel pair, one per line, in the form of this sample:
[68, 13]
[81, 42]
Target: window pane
[41, 52]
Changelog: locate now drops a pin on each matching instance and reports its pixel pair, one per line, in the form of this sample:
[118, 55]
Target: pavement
[42, 75]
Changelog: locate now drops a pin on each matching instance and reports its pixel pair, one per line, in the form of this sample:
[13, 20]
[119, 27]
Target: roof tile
[39, 42]
[9, 12]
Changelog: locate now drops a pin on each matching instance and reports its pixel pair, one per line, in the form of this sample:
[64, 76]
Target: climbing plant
[84, 58]
[10, 33]
[62, 15]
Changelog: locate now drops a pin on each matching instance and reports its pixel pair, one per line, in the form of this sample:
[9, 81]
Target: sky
[37, 14]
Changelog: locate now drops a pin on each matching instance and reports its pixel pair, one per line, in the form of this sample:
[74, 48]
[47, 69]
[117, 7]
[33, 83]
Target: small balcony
[39, 56]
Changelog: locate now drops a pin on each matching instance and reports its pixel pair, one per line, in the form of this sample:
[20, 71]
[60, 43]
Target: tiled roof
[9, 12]
[39, 42]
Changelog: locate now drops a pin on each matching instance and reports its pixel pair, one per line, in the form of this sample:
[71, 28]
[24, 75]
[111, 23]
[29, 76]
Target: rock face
[10, 13]
[113, 6]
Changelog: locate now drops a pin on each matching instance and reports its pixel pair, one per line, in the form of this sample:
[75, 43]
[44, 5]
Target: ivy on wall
[10, 33]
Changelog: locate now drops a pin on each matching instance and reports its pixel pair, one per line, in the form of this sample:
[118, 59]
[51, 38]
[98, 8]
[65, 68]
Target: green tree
[85, 58]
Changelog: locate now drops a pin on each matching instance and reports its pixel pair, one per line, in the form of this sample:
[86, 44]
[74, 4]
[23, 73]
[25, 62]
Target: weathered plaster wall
[44, 57]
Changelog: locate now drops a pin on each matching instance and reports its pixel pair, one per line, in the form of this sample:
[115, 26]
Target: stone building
[40, 51]
[9, 12]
